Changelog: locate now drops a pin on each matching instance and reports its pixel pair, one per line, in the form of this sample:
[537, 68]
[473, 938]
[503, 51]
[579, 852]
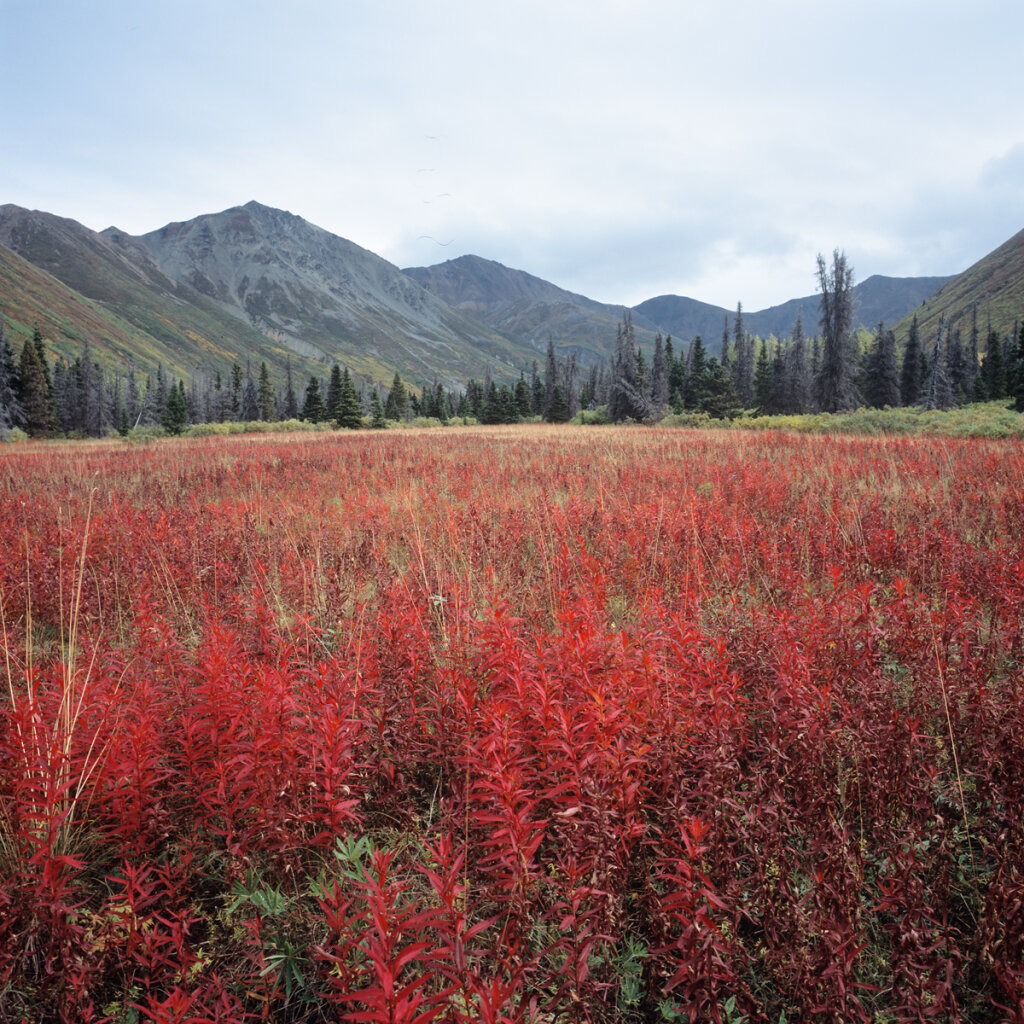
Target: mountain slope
[527, 308]
[325, 296]
[249, 283]
[994, 287]
[108, 287]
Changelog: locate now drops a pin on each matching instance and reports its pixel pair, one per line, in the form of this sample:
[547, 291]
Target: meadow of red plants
[523, 724]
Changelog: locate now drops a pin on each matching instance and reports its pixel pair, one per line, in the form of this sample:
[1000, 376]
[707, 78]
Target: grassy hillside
[994, 286]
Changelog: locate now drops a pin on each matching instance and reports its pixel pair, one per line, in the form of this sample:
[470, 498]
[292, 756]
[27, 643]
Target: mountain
[255, 283]
[993, 287]
[249, 283]
[325, 297]
[73, 282]
[528, 309]
[875, 299]
[685, 318]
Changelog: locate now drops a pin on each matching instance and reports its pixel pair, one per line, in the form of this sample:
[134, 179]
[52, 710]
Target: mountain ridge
[254, 282]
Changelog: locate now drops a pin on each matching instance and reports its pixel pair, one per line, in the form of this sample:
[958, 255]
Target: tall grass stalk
[44, 738]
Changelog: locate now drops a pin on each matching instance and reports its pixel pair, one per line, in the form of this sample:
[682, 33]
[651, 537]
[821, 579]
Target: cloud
[618, 149]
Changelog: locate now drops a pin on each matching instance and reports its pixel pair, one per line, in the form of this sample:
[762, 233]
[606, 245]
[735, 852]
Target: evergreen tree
[763, 379]
[720, 399]
[798, 372]
[536, 391]
[132, 400]
[881, 373]
[743, 360]
[396, 407]
[235, 392]
[627, 400]
[558, 411]
[676, 374]
[957, 368]
[350, 411]
[313, 408]
[290, 404]
[837, 388]
[659, 378]
[11, 412]
[175, 414]
[939, 392]
[522, 398]
[160, 396]
[695, 384]
[1018, 393]
[777, 393]
[570, 388]
[550, 379]
[249, 406]
[378, 421]
[332, 400]
[475, 395]
[36, 389]
[118, 417]
[972, 358]
[994, 367]
[265, 395]
[492, 411]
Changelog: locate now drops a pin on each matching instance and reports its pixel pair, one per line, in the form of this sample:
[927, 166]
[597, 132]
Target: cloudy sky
[619, 148]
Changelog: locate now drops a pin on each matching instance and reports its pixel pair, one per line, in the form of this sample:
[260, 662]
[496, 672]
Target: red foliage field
[522, 724]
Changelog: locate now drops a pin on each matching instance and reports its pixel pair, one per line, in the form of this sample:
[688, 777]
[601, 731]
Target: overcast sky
[619, 148]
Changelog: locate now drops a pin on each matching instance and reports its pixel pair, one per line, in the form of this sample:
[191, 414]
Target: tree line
[831, 371]
[81, 399]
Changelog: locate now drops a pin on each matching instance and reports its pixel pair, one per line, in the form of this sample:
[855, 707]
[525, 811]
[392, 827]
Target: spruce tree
[695, 384]
[313, 408]
[939, 392]
[720, 399]
[1018, 393]
[778, 391]
[290, 404]
[396, 406]
[265, 395]
[957, 368]
[881, 373]
[235, 392]
[132, 401]
[837, 388]
[175, 414]
[349, 414]
[629, 398]
[743, 360]
[550, 378]
[249, 407]
[994, 367]
[536, 391]
[910, 374]
[332, 400]
[558, 411]
[762, 382]
[522, 398]
[36, 390]
[378, 421]
[798, 372]
[659, 377]
[11, 412]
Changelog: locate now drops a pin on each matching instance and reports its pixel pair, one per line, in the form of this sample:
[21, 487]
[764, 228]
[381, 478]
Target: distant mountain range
[256, 283]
